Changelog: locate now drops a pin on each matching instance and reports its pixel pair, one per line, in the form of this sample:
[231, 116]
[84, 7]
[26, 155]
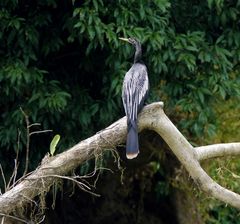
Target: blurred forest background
[62, 63]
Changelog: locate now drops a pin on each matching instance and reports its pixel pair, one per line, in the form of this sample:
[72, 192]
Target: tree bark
[152, 117]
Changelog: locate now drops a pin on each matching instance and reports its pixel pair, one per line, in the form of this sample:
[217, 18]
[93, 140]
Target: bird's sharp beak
[124, 39]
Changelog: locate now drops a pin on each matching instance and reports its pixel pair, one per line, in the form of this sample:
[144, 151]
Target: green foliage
[194, 62]
[223, 215]
[162, 189]
[63, 60]
[224, 172]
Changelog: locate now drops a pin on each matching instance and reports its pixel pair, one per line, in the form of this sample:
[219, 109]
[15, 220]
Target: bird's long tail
[132, 145]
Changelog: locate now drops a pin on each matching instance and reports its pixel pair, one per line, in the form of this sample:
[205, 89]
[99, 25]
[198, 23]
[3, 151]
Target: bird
[134, 93]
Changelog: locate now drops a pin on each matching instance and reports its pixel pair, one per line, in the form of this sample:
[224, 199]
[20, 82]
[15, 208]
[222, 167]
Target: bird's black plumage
[134, 93]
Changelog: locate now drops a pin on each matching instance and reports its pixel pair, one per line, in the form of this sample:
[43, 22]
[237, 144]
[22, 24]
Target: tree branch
[28, 141]
[217, 150]
[152, 117]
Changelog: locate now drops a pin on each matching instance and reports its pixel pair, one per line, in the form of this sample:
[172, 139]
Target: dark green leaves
[63, 63]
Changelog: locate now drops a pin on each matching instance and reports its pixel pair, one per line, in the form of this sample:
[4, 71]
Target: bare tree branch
[188, 157]
[217, 150]
[39, 132]
[28, 135]
[152, 117]
[28, 141]
[3, 177]
[15, 169]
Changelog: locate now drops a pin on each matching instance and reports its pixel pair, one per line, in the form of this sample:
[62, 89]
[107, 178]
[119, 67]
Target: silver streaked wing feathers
[135, 88]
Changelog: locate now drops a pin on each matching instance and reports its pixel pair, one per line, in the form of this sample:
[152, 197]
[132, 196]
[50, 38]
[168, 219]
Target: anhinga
[134, 92]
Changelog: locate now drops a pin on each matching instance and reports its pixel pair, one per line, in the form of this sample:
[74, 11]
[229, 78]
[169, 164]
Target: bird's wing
[142, 87]
[135, 88]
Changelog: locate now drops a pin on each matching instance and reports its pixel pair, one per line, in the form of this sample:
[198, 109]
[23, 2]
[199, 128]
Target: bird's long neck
[138, 53]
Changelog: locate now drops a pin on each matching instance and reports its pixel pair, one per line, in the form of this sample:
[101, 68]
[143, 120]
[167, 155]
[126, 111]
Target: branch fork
[152, 117]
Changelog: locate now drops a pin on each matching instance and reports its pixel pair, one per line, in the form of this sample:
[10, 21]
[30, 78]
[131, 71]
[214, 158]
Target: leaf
[53, 144]
[222, 92]
[95, 3]
[200, 95]
[191, 48]
[210, 3]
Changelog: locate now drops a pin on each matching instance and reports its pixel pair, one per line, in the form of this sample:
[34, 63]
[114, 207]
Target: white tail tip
[132, 155]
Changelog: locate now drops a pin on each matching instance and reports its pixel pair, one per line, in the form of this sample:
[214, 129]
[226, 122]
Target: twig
[29, 134]
[15, 170]
[14, 217]
[4, 179]
[13, 176]
[63, 177]
[34, 124]
[29, 199]
[94, 172]
[90, 192]
[83, 186]
[41, 220]
[27, 143]
[20, 179]
[232, 173]
[38, 132]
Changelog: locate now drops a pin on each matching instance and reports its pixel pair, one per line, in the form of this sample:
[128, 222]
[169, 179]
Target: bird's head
[138, 48]
[131, 40]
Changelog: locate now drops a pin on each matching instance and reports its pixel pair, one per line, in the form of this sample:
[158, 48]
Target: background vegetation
[62, 63]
